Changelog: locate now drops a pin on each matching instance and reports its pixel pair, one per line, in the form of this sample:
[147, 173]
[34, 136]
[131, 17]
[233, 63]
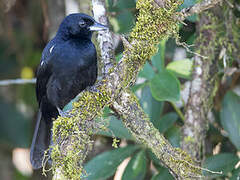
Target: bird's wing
[44, 70]
[43, 74]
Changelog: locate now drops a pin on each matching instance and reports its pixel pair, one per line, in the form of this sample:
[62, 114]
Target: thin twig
[197, 8]
[178, 111]
[8, 82]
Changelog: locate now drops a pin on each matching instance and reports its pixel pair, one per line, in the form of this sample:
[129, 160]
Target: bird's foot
[93, 89]
[62, 113]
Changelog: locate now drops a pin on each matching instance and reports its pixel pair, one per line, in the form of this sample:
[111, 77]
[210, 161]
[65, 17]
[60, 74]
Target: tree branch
[104, 39]
[134, 118]
[204, 82]
[177, 161]
[198, 8]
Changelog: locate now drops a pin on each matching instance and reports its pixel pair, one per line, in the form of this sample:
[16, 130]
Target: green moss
[114, 143]
[153, 24]
[72, 135]
[188, 139]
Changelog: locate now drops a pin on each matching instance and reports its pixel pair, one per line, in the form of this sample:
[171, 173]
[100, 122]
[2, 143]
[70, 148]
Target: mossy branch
[201, 89]
[72, 135]
[177, 161]
[213, 37]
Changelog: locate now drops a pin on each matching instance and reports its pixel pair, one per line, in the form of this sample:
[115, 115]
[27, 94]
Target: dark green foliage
[230, 117]
[223, 162]
[165, 87]
[136, 168]
[105, 164]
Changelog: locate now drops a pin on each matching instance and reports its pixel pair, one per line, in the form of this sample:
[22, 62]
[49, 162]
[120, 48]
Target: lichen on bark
[214, 36]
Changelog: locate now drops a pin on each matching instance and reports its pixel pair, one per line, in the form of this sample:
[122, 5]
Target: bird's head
[79, 25]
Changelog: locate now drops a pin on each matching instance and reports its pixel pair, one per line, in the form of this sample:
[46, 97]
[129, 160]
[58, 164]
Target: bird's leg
[61, 113]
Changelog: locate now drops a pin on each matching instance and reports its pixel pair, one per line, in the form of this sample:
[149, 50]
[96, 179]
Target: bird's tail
[40, 142]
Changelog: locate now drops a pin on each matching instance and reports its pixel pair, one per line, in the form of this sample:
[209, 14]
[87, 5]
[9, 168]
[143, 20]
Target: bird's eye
[82, 23]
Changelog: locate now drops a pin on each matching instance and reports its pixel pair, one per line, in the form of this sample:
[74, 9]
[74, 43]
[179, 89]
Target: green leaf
[162, 175]
[230, 117]
[119, 57]
[136, 168]
[224, 162]
[165, 87]
[157, 61]
[116, 128]
[188, 3]
[166, 121]
[125, 21]
[136, 87]
[104, 165]
[181, 68]
[124, 18]
[152, 107]
[173, 134]
[156, 162]
[235, 174]
[147, 72]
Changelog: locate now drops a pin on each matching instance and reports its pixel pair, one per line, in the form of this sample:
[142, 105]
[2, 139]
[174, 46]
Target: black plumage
[67, 67]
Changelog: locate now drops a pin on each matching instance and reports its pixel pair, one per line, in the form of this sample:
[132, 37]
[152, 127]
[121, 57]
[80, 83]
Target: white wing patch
[50, 50]
[42, 63]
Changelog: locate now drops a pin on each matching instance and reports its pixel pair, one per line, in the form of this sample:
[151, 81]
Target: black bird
[67, 67]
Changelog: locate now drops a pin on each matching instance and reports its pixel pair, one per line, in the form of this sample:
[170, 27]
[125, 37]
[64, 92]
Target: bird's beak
[98, 27]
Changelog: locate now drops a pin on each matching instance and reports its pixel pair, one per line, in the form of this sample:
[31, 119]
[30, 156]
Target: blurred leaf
[15, 128]
[104, 165]
[191, 40]
[136, 168]
[224, 162]
[118, 6]
[166, 121]
[136, 87]
[123, 22]
[27, 73]
[152, 107]
[192, 18]
[235, 174]
[147, 72]
[181, 68]
[188, 3]
[163, 175]
[173, 135]
[118, 57]
[69, 106]
[124, 17]
[157, 61]
[165, 87]
[230, 117]
[116, 128]
[155, 160]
